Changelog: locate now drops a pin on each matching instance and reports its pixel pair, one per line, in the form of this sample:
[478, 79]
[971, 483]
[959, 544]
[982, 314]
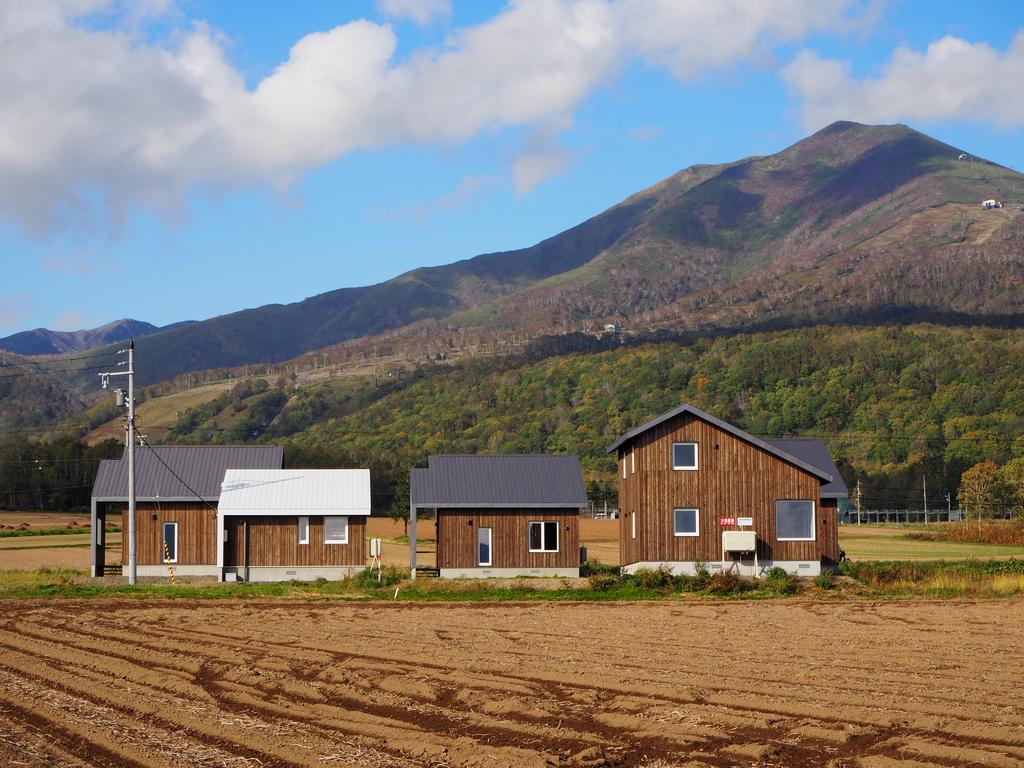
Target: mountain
[855, 223]
[43, 341]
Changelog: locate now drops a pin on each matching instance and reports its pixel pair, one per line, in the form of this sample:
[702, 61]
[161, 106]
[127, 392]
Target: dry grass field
[277, 683]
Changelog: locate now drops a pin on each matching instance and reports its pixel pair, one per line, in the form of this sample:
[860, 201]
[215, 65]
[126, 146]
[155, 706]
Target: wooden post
[245, 549]
[96, 535]
[412, 540]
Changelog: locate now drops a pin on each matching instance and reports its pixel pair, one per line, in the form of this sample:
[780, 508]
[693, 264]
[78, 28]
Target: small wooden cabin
[302, 524]
[688, 482]
[501, 515]
[177, 489]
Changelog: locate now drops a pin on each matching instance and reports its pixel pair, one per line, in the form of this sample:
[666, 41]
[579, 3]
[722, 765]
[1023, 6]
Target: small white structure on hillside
[987, 205]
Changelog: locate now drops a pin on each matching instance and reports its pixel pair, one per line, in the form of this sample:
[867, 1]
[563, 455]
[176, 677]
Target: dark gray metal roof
[201, 466]
[814, 451]
[736, 431]
[507, 480]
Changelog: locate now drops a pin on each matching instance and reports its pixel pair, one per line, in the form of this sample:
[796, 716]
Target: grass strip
[867, 580]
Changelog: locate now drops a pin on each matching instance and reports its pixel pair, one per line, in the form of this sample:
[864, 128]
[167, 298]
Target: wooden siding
[274, 541]
[733, 479]
[457, 537]
[197, 533]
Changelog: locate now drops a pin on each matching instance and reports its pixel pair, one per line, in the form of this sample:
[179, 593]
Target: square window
[794, 520]
[543, 536]
[684, 455]
[687, 522]
[335, 530]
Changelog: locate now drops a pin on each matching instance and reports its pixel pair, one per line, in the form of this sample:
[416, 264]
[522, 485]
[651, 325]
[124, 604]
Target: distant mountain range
[855, 223]
[43, 341]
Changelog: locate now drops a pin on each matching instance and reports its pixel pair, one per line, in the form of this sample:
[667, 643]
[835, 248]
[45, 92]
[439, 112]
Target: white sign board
[744, 521]
[375, 548]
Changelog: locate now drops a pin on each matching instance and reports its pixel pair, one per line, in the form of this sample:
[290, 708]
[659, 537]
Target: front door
[483, 546]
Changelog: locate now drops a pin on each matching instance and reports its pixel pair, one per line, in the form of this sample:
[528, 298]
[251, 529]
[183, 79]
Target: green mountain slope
[893, 403]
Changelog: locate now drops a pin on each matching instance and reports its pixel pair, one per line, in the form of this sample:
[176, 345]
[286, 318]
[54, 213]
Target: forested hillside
[894, 403]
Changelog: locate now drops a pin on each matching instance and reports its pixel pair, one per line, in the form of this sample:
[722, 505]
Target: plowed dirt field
[270, 683]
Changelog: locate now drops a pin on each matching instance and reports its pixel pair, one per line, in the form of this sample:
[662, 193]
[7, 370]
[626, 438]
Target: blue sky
[178, 160]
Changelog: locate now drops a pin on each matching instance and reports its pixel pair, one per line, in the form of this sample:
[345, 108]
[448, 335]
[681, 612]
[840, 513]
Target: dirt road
[108, 682]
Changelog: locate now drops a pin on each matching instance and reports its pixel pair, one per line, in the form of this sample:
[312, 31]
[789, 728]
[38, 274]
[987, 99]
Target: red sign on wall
[727, 521]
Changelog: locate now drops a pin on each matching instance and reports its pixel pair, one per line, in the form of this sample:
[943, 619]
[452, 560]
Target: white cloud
[13, 309]
[98, 121]
[952, 79]
[420, 11]
[72, 320]
[467, 188]
[80, 262]
[645, 133]
[541, 161]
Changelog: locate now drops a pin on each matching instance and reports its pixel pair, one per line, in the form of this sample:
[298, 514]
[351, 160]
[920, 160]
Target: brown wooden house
[302, 524]
[693, 488]
[177, 490]
[501, 515]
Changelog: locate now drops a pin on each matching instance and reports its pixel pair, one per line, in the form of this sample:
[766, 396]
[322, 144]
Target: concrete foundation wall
[162, 571]
[741, 568]
[507, 573]
[295, 573]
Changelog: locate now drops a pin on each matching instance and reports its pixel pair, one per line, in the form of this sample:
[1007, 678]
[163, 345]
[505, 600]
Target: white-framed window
[684, 455]
[632, 460]
[170, 543]
[632, 520]
[686, 521]
[483, 546]
[303, 530]
[544, 536]
[794, 520]
[623, 465]
[335, 530]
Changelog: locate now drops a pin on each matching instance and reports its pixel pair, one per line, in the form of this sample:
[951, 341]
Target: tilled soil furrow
[526, 684]
[178, 724]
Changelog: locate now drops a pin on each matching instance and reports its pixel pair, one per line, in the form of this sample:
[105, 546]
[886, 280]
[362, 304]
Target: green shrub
[727, 583]
[702, 575]
[594, 567]
[658, 580]
[826, 580]
[780, 582]
[390, 575]
[603, 582]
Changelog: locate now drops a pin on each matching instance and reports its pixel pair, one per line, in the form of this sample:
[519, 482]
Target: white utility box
[739, 541]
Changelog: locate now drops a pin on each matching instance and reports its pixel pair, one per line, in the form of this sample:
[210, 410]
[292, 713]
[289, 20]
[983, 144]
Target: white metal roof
[295, 492]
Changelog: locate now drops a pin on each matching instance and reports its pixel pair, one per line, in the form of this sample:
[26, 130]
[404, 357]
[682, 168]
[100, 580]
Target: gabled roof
[735, 431]
[296, 492]
[814, 451]
[201, 466]
[507, 480]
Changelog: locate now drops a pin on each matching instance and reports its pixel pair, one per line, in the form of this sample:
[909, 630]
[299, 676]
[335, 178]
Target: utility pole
[949, 507]
[924, 491]
[130, 445]
[858, 502]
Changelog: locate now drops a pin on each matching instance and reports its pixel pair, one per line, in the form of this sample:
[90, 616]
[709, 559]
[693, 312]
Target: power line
[42, 372]
[58, 360]
[176, 476]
